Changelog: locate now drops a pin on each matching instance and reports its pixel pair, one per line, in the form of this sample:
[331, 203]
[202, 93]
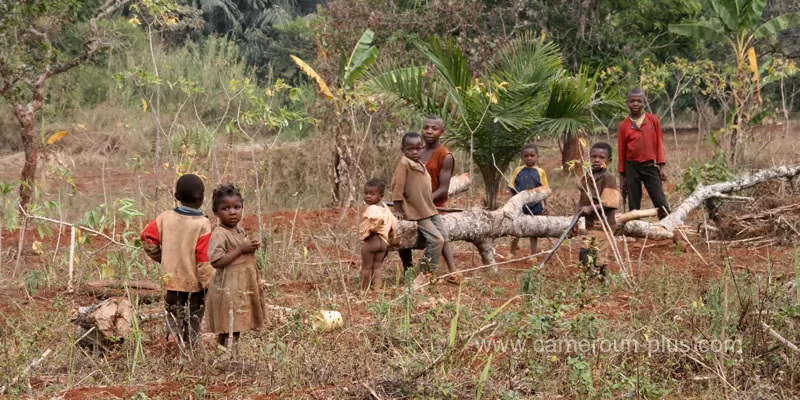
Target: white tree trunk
[458, 184]
[664, 229]
[480, 227]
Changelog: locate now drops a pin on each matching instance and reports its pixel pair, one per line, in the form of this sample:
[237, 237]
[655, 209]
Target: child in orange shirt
[178, 240]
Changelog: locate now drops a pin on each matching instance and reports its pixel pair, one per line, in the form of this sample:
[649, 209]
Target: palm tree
[738, 22]
[575, 105]
[524, 92]
[239, 16]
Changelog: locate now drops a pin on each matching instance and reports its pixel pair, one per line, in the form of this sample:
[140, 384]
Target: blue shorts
[533, 209]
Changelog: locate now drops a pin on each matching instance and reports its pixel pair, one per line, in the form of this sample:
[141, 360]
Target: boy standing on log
[178, 239]
[439, 163]
[411, 194]
[599, 196]
[641, 155]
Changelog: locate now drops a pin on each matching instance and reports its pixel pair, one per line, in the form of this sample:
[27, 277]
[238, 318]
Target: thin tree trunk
[491, 179]
[25, 117]
[1, 245]
[785, 110]
[256, 168]
[699, 127]
[672, 118]
[159, 129]
[571, 151]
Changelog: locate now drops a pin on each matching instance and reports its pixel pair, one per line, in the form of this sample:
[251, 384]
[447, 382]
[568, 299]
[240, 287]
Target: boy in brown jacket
[599, 196]
[178, 239]
[440, 163]
[411, 194]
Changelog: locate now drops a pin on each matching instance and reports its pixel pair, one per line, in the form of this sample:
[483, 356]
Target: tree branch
[664, 228]
[108, 8]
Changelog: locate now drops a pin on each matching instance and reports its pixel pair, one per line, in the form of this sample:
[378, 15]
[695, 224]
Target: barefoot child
[524, 178]
[178, 239]
[234, 299]
[598, 195]
[440, 163]
[411, 193]
[376, 228]
[641, 155]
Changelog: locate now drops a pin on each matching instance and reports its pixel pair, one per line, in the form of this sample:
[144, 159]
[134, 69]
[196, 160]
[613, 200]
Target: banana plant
[349, 109]
[738, 23]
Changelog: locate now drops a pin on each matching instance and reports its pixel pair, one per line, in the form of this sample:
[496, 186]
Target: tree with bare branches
[28, 59]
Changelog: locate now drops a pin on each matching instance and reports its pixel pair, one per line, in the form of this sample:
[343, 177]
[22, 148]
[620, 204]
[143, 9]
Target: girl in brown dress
[234, 303]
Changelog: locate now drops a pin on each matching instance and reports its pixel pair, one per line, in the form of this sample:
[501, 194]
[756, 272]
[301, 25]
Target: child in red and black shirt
[641, 155]
[178, 239]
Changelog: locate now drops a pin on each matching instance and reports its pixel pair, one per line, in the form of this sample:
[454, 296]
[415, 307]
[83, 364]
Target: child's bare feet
[422, 279]
[454, 279]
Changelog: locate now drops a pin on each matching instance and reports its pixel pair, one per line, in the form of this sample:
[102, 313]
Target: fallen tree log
[146, 292]
[458, 184]
[482, 227]
[665, 228]
[107, 323]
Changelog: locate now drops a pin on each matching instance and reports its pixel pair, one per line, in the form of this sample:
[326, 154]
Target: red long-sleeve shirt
[640, 145]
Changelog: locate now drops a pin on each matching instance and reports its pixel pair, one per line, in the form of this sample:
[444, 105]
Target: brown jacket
[178, 239]
[411, 184]
[609, 196]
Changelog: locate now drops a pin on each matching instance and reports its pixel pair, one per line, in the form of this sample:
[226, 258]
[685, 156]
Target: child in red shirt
[178, 240]
[641, 155]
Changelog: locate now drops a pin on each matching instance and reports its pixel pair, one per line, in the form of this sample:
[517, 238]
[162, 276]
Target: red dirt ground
[306, 226]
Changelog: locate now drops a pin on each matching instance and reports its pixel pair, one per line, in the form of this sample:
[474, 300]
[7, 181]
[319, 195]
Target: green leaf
[451, 339]
[483, 378]
[726, 11]
[363, 56]
[572, 104]
[751, 15]
[449, 61]
[777, 25]
[756, 119]
[698, 31]
[409, 86]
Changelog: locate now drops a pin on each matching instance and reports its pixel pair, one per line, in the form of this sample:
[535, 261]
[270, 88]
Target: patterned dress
[236, 290]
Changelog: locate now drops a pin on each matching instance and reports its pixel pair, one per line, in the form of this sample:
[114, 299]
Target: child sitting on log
[411, 193]
[440, 163]
[528, 176]
[375, 230]
[599, 197]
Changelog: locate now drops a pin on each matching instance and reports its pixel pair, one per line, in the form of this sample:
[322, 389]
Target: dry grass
[416, 347]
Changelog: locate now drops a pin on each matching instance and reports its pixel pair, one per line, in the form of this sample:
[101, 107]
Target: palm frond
[527, 63]
[273, 16]
[572, 103]
[449, 61]
[408, 86]
[220, 12]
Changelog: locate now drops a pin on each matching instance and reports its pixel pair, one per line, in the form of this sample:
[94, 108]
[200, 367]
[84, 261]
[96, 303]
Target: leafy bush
[698, 173]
